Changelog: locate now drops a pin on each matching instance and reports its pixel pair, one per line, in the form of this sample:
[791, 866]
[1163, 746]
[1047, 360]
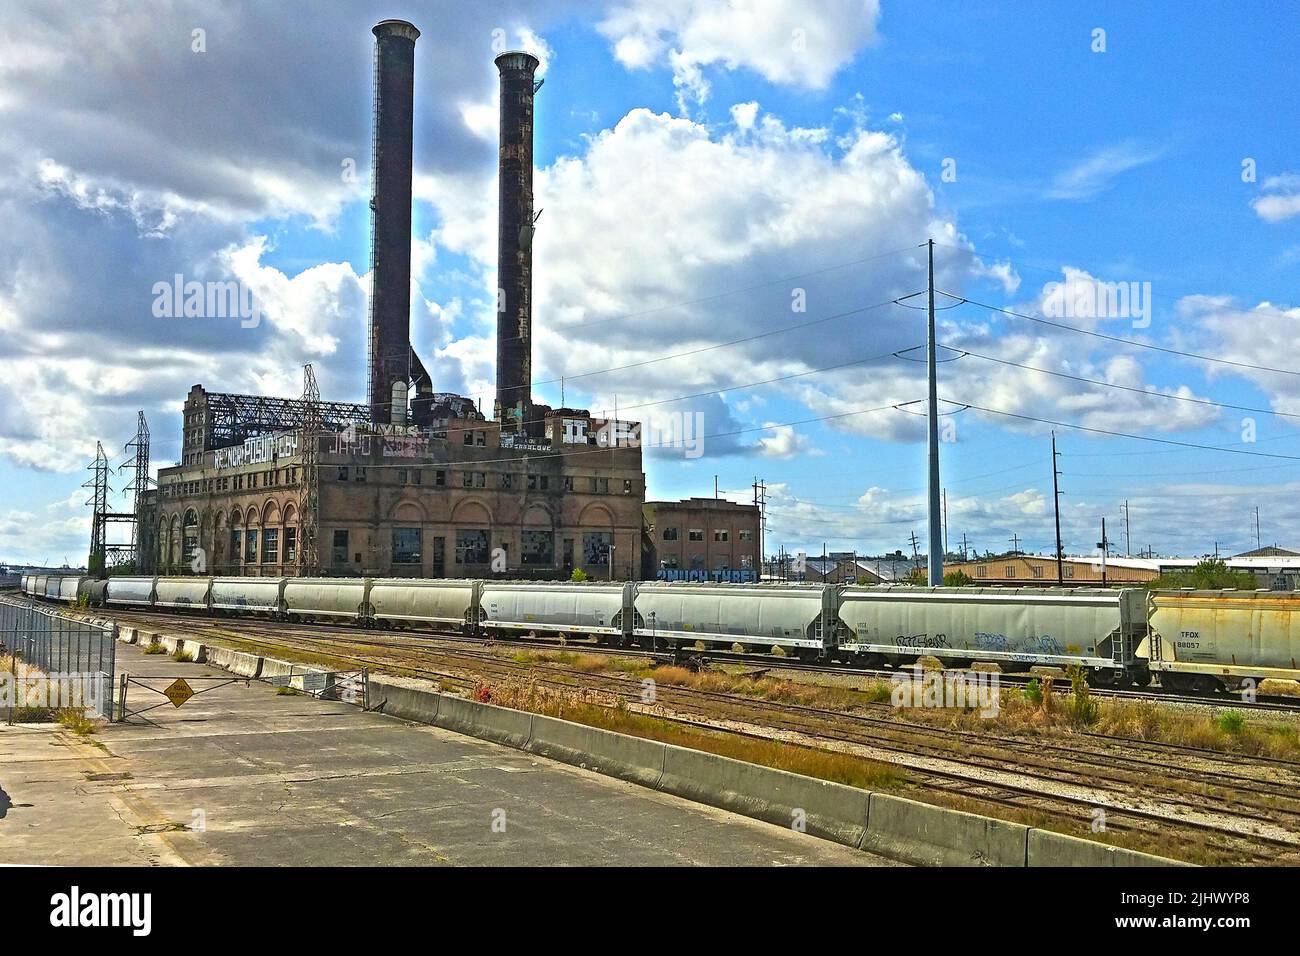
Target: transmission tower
[138, 465]
[98, 502]
[309, 489]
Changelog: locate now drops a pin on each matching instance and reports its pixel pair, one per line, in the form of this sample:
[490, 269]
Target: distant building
[1028, 570]
[701, 537]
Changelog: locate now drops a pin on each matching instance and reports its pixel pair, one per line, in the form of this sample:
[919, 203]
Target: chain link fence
[55, 660]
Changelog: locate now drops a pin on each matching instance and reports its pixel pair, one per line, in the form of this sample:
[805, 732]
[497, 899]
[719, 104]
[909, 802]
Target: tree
[1212, 574]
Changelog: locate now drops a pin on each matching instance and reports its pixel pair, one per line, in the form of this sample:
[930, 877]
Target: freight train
[1194, 641]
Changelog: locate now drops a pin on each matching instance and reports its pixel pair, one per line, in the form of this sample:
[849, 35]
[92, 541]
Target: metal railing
[77, 658]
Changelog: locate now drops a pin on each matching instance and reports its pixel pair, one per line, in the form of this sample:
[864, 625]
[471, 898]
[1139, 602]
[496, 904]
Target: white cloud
[1095, 172]
[785, 41]
[1281, 199]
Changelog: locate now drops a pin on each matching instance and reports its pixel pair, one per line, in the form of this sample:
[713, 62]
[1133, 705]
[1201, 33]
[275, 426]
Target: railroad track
[1186, 795]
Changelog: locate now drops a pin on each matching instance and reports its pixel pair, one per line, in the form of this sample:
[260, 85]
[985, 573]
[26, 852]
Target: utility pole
[1105, 547]
[936, 531]
[1015, 543]
[963, 545]
[945, 523]
[1056, 506]
[1257, 543]
[1128, 545]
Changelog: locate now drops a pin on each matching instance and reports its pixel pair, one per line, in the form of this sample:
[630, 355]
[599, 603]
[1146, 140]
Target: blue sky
[698, 165]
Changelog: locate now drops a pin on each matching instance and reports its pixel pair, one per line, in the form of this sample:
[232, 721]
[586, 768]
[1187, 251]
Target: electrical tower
[309, 489]
[98, 502]
[138, 464]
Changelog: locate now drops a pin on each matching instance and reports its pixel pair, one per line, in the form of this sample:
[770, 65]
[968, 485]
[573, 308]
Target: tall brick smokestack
[390, 206]
[515, 241]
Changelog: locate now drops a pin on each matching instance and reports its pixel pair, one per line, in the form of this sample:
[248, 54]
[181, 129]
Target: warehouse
[699, 538]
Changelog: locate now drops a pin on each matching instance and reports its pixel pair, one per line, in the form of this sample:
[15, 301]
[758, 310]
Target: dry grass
[155, 647]
[600, 711]
[75, 720]
[182, 656]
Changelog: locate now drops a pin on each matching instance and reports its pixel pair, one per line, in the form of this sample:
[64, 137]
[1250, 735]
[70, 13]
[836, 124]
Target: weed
[182, 656]
[155, 647]
[1232, 722]
[1033, 692]
[75, 719]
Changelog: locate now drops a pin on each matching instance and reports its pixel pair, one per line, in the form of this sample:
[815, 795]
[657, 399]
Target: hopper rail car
[1194, 641]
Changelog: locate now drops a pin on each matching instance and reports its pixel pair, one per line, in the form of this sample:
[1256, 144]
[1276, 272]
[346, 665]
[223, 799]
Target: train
[1193, 641]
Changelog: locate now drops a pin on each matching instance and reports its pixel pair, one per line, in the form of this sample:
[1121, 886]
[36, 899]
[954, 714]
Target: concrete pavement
[241, 775]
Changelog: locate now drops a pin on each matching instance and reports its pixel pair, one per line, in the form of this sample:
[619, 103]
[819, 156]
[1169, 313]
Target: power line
[1124, 341]
[1127, 388]
[713, 297]
[1115, 434]
[1058, 271]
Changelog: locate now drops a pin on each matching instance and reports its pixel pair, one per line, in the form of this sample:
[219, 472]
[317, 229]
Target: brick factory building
[403, 500]
[700, 538]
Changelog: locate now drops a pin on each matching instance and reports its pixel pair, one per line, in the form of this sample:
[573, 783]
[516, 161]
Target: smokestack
[390, 208]
[515, 241]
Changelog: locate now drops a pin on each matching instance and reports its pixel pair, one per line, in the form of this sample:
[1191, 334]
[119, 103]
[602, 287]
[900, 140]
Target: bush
[1083, 710]
[1232, 722]
[1033, 692]
[578, 575]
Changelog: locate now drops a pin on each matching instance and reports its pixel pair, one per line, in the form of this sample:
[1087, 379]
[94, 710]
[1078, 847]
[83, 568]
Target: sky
[735, 201]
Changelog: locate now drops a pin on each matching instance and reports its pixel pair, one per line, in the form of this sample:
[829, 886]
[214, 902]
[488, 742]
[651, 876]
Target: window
[235, 542]
[600, 486]
[568, 482]
[250, 546]
[406, 546]
[721, 534]
[467, 478]
[340, 550]
[670, 561]
[746, 534]
[539, 482]
[1011, 570]
[343, 473]
[627, 486]
[695, 534]
[697, 562]
[982, 571]
[480, 438]
[472, 546]
[1037, 569]
[1068, 570]
[537, 548]
[469, 437]
[595, 548]
[401, 476]
[670, 534]
[440, 478]
[290, 545]
[747, 561]
[271, 545]
[416, 476]
[505, 480]
[361, 474]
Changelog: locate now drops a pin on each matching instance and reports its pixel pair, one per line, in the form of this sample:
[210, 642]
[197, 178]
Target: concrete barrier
[499, 724]
[893, 827]
[237, 662]
[936, 836]
[1047, 848]
[126, 635]
[409, 703]
[617, 755]
[829, 810]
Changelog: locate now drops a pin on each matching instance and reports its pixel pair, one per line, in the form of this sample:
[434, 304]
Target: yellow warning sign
[179, 692]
